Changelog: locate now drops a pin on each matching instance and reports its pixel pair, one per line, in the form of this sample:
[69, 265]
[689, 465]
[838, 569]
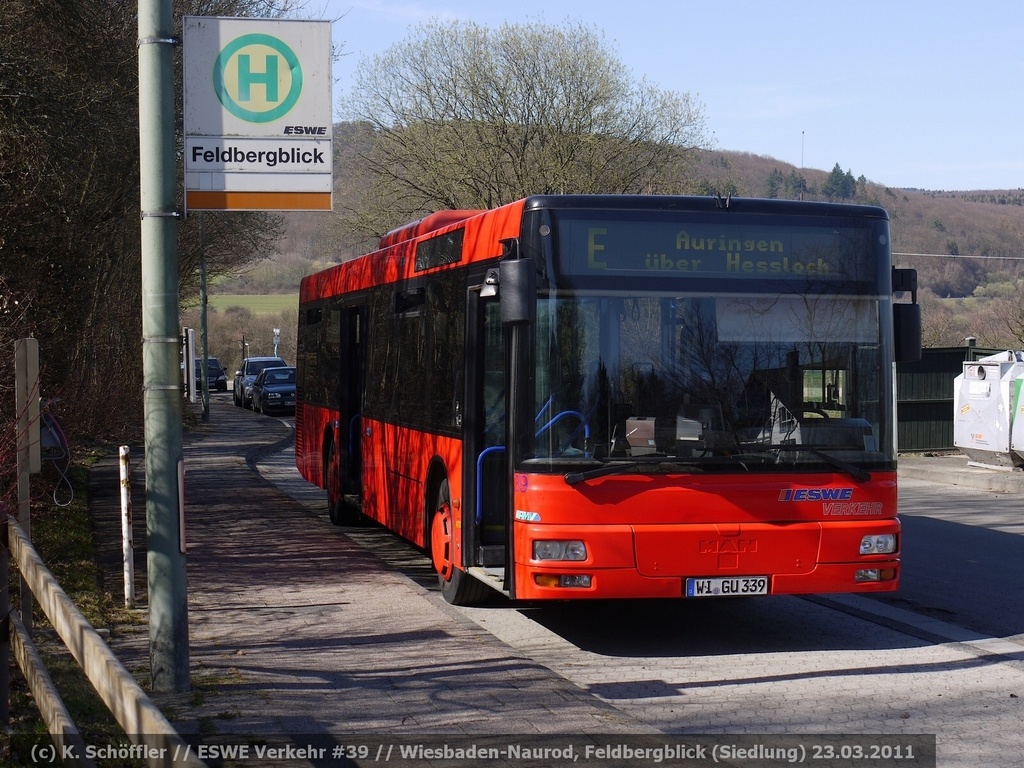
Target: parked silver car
[241, 389]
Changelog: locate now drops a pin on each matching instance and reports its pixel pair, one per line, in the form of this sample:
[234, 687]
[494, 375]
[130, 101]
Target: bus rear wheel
[457, 586]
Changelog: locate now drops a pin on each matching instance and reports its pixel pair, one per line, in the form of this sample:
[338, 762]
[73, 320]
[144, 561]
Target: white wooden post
[127, 546]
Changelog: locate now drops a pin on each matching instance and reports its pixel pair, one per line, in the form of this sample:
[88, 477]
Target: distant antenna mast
[801, 161]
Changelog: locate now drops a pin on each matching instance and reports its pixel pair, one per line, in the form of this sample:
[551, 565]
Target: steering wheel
[818, 411]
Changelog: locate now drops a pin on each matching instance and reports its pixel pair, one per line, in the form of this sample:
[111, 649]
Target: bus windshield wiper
[611, 468]
[858, 474]
[615, 466]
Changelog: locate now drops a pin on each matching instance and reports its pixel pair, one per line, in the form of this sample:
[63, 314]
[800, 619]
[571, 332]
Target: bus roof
[395, 256]
[702, 203]
[426, 224]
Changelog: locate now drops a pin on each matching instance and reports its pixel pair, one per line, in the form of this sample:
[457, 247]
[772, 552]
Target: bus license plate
[727, 587]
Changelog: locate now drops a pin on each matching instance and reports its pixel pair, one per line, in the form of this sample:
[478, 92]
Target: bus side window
[494, 376]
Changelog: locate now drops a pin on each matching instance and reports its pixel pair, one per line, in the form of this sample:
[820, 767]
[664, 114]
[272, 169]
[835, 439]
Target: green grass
[265, 304]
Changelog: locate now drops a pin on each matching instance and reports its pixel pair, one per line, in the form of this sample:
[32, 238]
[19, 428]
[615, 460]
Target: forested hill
[961, 241]
[957, 230]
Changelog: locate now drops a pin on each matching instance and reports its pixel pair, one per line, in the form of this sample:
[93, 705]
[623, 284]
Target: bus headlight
[878, 544]
[559, 550]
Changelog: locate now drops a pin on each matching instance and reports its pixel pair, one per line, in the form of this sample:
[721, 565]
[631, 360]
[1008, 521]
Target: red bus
[617, 396]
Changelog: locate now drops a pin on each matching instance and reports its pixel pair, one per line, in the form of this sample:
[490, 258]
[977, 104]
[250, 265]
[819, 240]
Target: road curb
[954, 470]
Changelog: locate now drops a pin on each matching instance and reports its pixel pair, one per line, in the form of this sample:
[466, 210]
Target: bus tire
[457, 586]
[339, 510]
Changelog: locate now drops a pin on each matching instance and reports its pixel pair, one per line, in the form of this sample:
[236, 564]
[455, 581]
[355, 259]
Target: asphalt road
[300, 627]
[963, 557]
[942, 656]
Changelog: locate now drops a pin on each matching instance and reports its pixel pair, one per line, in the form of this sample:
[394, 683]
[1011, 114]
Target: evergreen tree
[839, 185]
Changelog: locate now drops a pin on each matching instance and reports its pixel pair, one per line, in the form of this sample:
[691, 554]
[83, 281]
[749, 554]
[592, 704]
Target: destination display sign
[607, 246]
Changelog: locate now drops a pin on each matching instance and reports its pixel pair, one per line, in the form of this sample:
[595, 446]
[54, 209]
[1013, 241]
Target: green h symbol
[246, 77]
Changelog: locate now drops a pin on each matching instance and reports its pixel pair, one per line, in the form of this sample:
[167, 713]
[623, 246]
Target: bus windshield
[709, 371]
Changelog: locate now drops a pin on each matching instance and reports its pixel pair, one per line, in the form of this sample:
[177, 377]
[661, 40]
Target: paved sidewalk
[298, 631]
[949, 468]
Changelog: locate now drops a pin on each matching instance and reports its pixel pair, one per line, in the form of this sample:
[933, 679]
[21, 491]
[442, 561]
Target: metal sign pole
[168, 603]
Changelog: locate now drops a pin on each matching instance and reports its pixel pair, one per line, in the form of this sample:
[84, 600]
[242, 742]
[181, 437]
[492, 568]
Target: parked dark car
[218, 380]
[241, 389]
[273, 391]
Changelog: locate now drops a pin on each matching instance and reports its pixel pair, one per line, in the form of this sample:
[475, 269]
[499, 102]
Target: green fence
[925, 396]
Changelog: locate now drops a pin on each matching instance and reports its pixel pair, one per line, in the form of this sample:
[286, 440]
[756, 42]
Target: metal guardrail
[65, 734]
[143, 723]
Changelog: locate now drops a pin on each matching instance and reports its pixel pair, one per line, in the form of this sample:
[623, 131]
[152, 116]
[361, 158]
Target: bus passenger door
[350, 396]
[485, 470]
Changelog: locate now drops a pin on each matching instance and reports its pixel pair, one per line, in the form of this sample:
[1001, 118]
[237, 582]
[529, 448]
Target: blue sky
[906, 93]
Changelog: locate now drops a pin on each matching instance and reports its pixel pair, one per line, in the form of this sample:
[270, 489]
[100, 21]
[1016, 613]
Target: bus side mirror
[518, 292]
[906, 318]
[906, 322]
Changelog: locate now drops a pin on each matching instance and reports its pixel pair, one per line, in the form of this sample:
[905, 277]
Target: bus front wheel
[457, 586]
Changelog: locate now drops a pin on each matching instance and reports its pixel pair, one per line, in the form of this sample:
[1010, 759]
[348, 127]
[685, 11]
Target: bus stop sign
[257, 102]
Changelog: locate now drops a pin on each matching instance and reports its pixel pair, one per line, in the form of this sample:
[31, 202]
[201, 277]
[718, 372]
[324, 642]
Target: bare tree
[471, 117]
[69, 201]
[1002, 322]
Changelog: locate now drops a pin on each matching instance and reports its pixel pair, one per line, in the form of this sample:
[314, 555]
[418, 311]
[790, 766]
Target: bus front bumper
[661, 561]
